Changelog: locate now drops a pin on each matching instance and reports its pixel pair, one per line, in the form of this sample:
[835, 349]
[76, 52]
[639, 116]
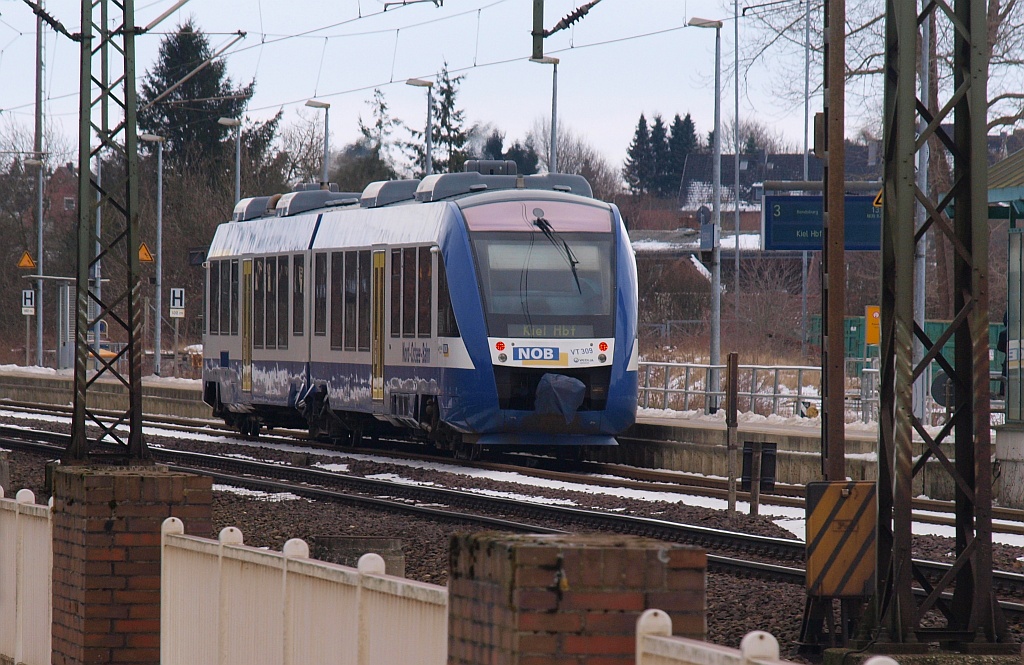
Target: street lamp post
[429, 158]
[736, 159]
[716, 193]
[38, 161]
[237, 124]
[548, 60]
[157, 341]
[317, 104]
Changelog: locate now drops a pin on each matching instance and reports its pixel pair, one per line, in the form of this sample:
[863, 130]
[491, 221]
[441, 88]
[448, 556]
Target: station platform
[160, 395]
[659, 440]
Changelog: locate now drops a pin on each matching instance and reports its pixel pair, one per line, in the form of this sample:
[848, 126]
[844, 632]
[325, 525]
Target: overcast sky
[625, 57]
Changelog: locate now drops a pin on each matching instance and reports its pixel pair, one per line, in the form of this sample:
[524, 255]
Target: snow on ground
[19, 369]
[790, 518]
[176, 381]
[255, 494]
[70, 373]
[754, 420]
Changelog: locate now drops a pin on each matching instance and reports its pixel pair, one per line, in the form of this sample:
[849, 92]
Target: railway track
[469, 507]
[927, 511]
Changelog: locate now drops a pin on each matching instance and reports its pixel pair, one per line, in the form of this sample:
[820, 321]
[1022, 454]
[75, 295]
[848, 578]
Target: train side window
[271, 302]
[365, 276]
[447, 326]
[298, 293]
[233, 304]
[214, 286]
[337, 309]
[425, 285]
[396, 293]
[409, 292]
[225, 299]
[258, 302]
[320, 294]
[351, 291]
[282, 302]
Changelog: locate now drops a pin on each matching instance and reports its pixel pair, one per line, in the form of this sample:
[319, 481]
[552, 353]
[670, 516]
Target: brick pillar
[106, 558]
[572, 599]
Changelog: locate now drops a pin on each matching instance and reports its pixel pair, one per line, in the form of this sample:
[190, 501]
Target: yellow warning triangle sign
[878, 199]
[144, 254]
[26, 261]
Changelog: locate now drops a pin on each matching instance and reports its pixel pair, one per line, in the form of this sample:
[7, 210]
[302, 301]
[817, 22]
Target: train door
[246, 325]
[377, 327]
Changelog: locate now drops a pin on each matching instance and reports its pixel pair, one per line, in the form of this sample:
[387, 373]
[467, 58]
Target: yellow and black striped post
[841, 554]
[841, 521]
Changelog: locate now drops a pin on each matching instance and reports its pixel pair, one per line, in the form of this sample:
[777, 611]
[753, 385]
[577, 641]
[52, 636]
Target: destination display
[795, 223]
[554, 330]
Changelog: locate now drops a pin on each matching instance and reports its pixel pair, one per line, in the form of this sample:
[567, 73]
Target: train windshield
[540, 279]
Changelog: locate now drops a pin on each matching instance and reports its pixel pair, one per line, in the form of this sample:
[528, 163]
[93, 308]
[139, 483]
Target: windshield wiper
[552, 235]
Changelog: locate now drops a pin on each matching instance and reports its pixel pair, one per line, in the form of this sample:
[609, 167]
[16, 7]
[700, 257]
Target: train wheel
[468, 451]
[251, 427]
[570, 453]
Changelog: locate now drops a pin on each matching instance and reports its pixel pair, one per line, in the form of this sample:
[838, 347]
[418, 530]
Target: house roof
[677, 242]
[863, 162]
[1006, 179]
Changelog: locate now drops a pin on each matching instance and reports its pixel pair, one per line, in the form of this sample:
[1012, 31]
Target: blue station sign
[795, 223]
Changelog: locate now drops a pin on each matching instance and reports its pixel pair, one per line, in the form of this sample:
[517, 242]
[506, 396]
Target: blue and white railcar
[477, 310]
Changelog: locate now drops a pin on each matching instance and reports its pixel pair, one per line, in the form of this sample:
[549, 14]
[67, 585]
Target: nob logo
[535, 353]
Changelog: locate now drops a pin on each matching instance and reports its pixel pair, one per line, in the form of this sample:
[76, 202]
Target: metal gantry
[107, 39]
[972, 619]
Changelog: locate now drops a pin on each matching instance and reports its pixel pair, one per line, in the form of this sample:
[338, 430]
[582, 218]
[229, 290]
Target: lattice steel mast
[973, 620]
[119, 246]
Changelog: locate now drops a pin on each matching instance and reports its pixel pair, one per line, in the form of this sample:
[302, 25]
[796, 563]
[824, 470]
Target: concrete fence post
[759, 645]
[294, 548]
[885, 660]
[369, 564]
[651, 622]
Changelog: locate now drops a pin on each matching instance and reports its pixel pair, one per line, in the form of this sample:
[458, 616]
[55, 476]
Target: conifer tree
[682, 142]
[449, 133]
[190, 128]
[639, 160]
[660, 179]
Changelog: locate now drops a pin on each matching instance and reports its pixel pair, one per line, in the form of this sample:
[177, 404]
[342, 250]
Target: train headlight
[502, 357]
[602, 358]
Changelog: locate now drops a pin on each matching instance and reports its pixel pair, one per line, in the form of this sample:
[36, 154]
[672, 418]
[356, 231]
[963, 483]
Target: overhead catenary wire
[228, 52]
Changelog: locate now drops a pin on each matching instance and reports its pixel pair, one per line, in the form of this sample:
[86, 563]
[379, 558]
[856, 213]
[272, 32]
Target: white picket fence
[26, 566]
[656, 646]
[223, 603]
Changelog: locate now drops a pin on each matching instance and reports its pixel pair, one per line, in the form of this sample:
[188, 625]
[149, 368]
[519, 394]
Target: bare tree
[768, 327]
[302, 143]
[759, 134]
[778, 33]
[576, 155]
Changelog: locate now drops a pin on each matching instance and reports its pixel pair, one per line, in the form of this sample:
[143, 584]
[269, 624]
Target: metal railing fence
[782, 390]
[762, 389]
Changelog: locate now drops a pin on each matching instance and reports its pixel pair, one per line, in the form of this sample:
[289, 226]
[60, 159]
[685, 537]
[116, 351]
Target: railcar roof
[394, 225]
[495, 196]
[267, 235]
